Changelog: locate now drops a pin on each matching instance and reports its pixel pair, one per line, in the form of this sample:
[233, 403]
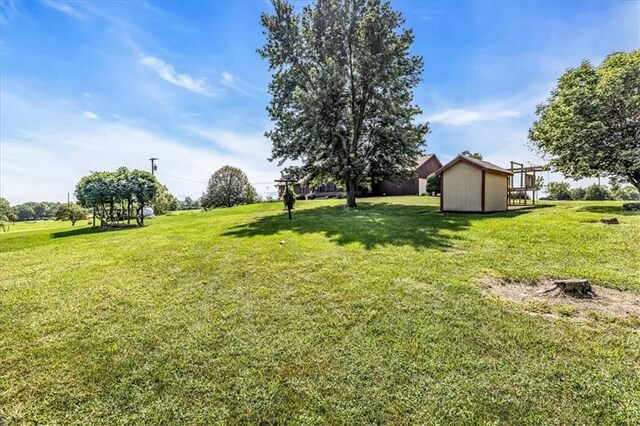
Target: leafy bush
[627, 193]
[289, 197]
[597, 192]
[433, 184]
[578, 193]
[559, 191]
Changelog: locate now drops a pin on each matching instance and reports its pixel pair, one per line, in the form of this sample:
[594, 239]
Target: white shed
[473, 186]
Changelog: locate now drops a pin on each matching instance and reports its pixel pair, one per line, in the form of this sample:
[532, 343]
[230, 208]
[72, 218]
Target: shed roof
[481, 164]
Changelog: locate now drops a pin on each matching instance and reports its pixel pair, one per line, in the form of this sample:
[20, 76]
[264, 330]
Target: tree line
[615, 191]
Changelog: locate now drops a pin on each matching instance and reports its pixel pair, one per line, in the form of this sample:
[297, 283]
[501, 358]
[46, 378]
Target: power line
[181, 178]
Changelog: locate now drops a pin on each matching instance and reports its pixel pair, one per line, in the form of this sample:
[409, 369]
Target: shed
[473, 186]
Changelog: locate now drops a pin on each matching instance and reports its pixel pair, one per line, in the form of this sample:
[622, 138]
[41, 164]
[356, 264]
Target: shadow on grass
[373, 225]
[608, 210]
[90, 230]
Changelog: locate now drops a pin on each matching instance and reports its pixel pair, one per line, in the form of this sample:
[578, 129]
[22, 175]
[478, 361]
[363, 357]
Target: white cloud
[89, 115]
[231, 81]
[64, 8]
[44, 161]
[461, 116]
[167, 72]
[8, 11]
[251, 145]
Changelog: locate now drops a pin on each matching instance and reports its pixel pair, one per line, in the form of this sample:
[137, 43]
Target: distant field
[371, 315]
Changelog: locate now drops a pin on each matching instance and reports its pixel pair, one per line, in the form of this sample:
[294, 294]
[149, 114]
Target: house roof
[424, 159]
[481, 164]
[419, 162]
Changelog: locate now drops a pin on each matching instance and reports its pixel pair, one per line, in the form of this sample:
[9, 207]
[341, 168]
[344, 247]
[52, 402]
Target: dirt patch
[605, 300]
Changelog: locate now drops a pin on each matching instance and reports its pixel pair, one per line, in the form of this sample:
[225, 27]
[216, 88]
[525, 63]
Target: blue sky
[94, 85]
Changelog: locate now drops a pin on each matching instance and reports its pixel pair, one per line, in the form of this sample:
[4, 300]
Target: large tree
[590, 125]
[228, 187]
[342, 91]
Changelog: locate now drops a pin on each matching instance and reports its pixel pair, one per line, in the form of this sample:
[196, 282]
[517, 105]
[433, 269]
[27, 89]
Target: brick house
[415, 186]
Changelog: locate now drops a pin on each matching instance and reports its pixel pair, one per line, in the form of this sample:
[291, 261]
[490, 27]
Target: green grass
[366, 316]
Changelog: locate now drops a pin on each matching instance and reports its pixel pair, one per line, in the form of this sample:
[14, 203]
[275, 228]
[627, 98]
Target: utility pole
[153, 165]
[68, 200]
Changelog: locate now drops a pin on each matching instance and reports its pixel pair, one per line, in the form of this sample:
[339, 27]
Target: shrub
[559, 191]
[597, 192]
[578, 193]
[289, 198]
[433, 184]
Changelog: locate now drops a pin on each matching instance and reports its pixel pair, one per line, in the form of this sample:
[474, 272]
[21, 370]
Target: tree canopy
[228, 187]
[342, 91]
[72, 212]
[118, 196]
[470, 154]
[559, 191]
[590, 125]
[433, 184]
[7, 214]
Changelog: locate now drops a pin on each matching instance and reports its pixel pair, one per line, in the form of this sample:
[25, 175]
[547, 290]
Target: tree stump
[610, 220]
[574, 287]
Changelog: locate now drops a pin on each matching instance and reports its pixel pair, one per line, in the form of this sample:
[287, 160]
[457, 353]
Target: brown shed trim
[484, 184]
[506, 203]
[441, 192]
[483, 165]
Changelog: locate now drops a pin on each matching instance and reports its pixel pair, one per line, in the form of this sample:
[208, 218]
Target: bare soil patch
[605, 300]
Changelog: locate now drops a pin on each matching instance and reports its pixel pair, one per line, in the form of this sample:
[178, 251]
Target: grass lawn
[365, 316]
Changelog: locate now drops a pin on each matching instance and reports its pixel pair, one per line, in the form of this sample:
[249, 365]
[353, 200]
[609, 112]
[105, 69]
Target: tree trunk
[635, 180]
[351, 193]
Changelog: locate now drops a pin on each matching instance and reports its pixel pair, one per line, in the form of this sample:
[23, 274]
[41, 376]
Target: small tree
[228, 187]
[72, 212]
[288, 197]
[433, 184]
[164, 201]
[559, 190]
[597, 192]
